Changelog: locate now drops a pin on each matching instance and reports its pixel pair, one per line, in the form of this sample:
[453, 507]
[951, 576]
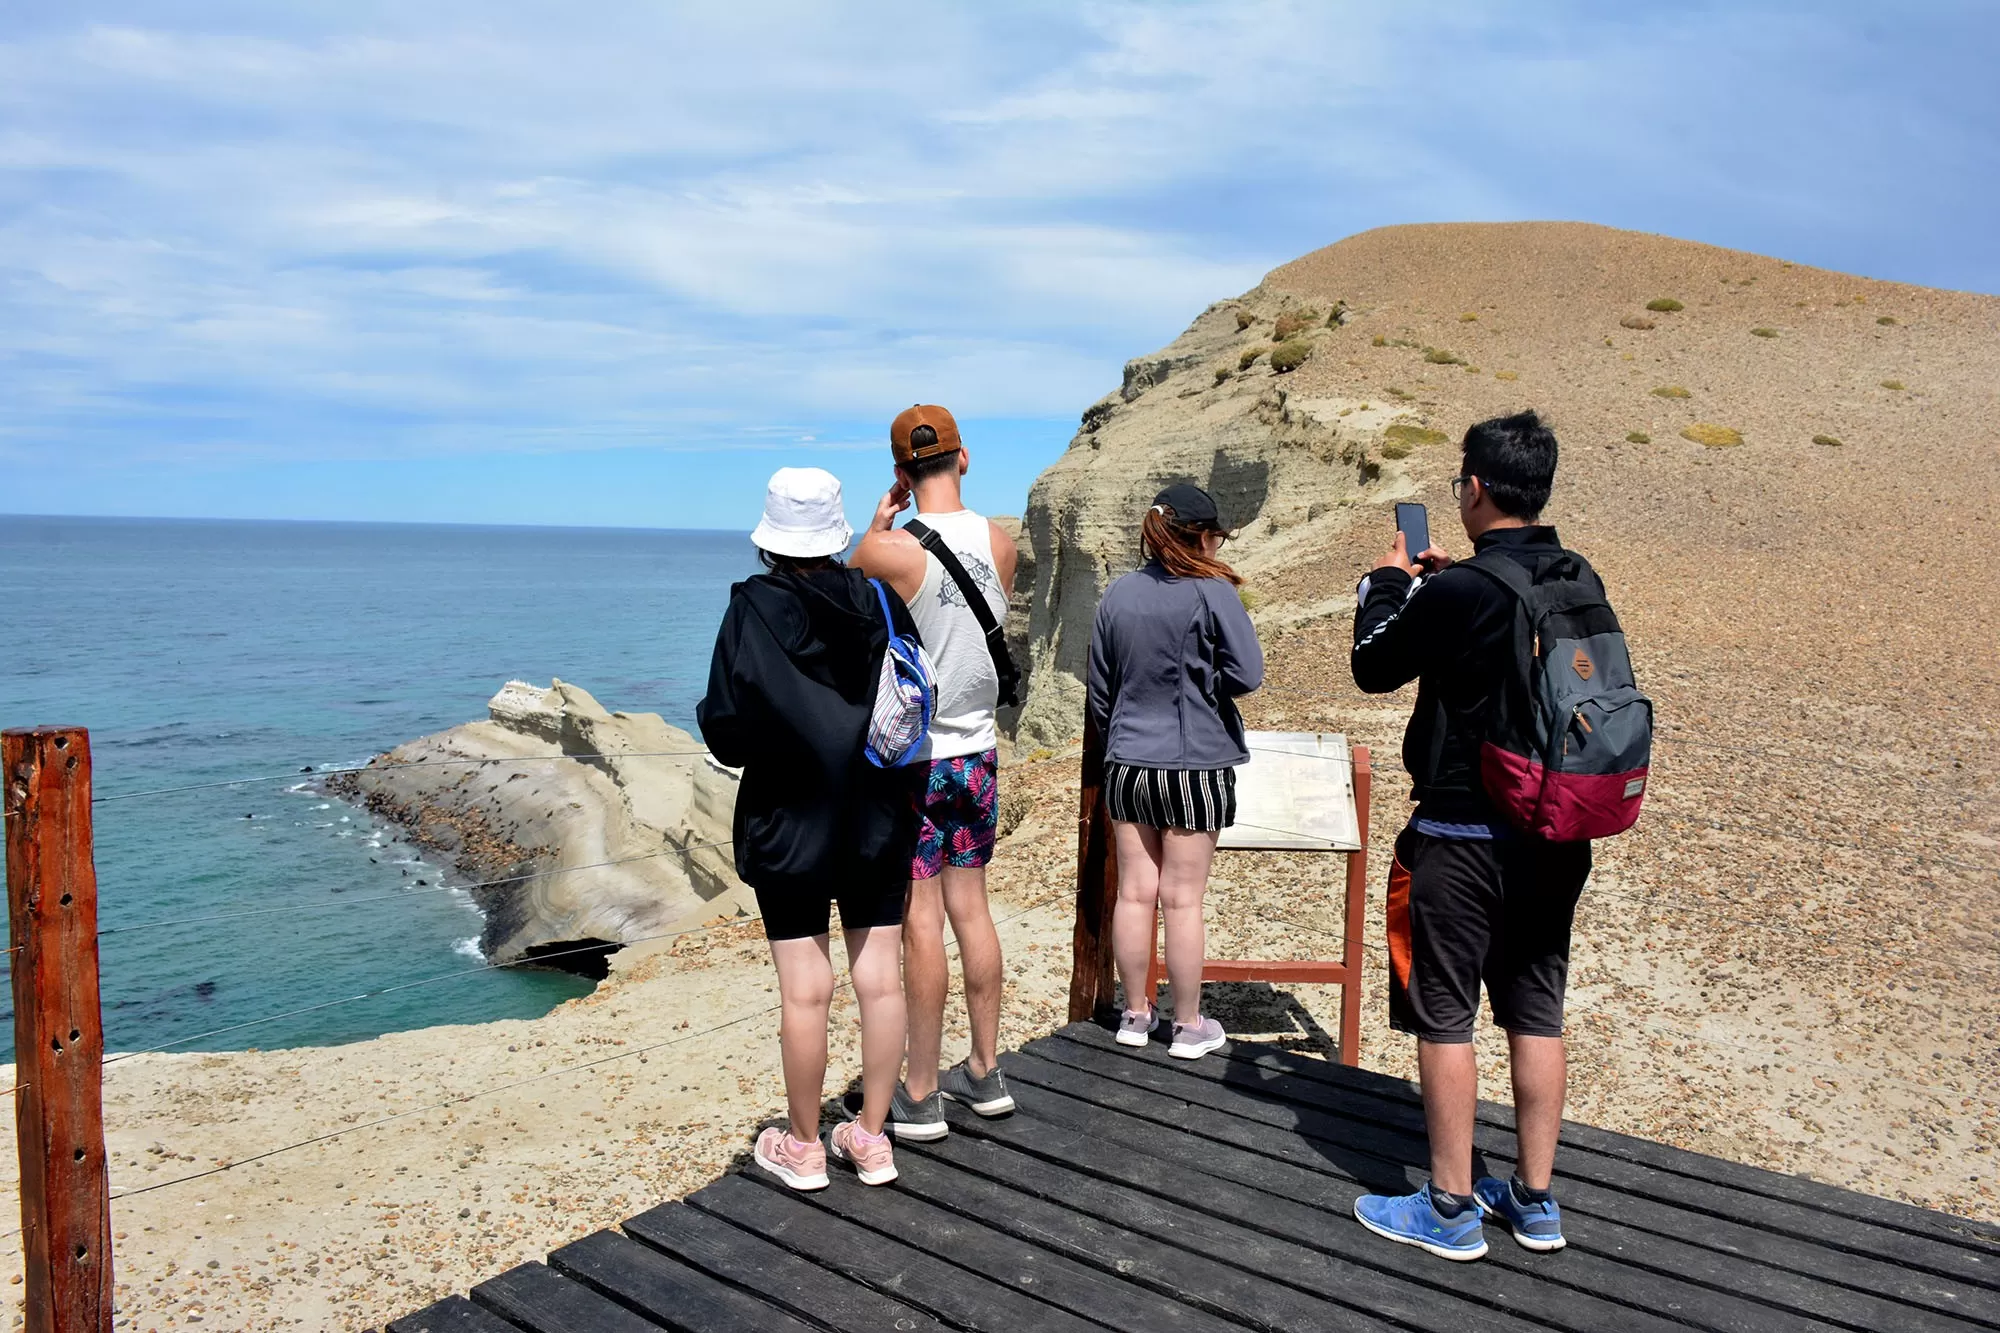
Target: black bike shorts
[794, 914]
[1465, 912]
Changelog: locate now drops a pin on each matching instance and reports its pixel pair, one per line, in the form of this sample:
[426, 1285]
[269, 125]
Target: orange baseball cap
[906, 424]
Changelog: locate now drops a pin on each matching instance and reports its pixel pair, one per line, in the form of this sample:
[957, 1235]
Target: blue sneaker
[1412, 1219]
[1536, 1226]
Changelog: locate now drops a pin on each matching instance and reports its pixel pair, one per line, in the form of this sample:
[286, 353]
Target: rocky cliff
[606, 825]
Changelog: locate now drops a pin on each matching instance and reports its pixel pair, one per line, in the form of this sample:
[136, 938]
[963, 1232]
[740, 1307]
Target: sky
[509, 263]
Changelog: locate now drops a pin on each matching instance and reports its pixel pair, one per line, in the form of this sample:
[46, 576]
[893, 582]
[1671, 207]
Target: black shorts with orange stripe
[1466, 912]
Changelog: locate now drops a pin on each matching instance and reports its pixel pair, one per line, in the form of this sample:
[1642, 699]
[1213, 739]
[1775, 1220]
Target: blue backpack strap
[883, 598]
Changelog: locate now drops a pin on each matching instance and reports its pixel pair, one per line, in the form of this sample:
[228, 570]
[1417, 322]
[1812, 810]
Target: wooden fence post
[1357, 910]
[58, 1030]
[1092, 985]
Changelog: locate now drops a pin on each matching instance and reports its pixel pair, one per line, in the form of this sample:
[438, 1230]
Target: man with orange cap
[954, 569]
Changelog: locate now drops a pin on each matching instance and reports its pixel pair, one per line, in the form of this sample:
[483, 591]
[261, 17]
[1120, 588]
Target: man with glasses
[1470, 898]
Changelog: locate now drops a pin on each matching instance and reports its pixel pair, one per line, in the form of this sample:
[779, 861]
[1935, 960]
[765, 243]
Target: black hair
[917, 469]
[792, 564]
[1515, 459]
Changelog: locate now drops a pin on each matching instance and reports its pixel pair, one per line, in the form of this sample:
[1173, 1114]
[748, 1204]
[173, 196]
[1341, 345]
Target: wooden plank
[1183, 1250]
[453, 1314]
[666, 1290]
[886, 1263]
[1084, 1289]
[1360, 1151]
[1156, 1256]
[773, 1272]
[1981, 1237]
[1285, 971]
[1092, 987]
[58, 1031]
[1955, 1262]
[1290, 1201]
[535, 1298]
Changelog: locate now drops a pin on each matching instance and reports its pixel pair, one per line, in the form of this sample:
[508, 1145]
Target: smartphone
[1414, 522]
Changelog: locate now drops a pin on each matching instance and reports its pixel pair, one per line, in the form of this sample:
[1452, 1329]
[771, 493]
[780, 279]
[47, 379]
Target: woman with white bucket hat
[790, 689]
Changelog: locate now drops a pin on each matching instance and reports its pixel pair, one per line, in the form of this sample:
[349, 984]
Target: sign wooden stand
[1300, 792]
[58, 1031]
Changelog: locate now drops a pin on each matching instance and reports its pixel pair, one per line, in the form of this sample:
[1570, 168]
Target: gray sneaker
[1138, 1029]
[1194, 1040]
[986, 1096]
[920, 1121]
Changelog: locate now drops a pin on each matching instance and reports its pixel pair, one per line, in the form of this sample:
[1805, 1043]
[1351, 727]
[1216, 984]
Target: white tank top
[968, 685]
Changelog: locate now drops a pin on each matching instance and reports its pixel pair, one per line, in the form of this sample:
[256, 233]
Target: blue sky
[497, 262]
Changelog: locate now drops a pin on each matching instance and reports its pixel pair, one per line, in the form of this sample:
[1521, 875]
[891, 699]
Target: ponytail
[1177, 546]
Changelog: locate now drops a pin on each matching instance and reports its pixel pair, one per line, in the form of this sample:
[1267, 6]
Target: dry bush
[1505, 375]
[1402, 432]
[1886, 319]
[1671, 391]
[1893, 384]
[1378, 341]
[1249, 358]
[1469, 317]
[1763, 333]
[1291, 323]
[1637, 437]
[1244, 319]
[1290, 355]
[1635, 322]
[1664, 304]
[1712, 436]
[1221, 374]
[1437, 356]
[1830, 440]
[1395, 449]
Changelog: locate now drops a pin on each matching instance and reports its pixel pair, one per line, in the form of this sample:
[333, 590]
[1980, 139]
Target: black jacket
[790, 688]
[1454, 637]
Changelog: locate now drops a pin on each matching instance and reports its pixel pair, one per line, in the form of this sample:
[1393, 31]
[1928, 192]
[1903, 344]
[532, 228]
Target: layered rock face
[610, 827]
[1281, 466]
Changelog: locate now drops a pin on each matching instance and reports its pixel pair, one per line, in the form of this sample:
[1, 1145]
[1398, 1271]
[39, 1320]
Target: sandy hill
[1793, 959]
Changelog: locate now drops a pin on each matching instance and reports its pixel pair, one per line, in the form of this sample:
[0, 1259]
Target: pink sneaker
[800, 1165]
[874, 1160]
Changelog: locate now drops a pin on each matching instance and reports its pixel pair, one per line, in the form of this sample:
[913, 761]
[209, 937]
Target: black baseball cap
[1193, 507]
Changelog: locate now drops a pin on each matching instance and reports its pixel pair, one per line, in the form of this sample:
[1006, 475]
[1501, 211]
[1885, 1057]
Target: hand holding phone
[1413, 521]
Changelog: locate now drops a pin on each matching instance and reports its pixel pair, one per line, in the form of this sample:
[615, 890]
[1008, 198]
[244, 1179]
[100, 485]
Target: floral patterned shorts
[958, 811]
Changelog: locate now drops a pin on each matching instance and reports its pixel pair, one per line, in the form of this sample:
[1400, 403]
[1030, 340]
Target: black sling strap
[975, 597]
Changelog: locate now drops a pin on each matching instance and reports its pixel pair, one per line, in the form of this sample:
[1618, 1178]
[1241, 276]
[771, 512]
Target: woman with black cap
[1170, 652]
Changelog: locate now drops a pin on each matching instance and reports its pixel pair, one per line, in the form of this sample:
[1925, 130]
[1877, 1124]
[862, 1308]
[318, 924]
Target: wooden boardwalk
[1143, 1194]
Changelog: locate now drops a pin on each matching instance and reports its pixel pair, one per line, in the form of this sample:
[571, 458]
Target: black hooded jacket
[790, 688]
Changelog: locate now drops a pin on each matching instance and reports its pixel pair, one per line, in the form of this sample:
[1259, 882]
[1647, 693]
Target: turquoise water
[203, 651]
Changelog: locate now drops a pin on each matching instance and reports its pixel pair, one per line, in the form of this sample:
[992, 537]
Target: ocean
[207, 651]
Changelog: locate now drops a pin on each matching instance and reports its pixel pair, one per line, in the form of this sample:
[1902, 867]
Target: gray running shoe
[921, 1121]
[1138, 1029]
[1194, 1040]
[986, 1096]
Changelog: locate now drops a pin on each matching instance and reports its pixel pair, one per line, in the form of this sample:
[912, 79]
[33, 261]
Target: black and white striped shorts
[1201, 800]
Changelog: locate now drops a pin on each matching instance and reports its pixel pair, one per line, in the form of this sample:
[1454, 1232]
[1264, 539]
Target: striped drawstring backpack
[904, 696]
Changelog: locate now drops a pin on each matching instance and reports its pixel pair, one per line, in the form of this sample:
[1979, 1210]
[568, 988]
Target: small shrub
[1094, 415]
[1292, 322]
[1469, 317]
[1505, 375]
[1290, 355]
[1437, 356]
[1472, 370]
[1832, 441]
[1763, 333]
[1398, 394]
[1712, 436]
[1249, 358]
[1637, 437]
[1671, 391]
[1251, 598]
[1886, 319]
[1337, 316]
[1664, 305]
[1892, 384]
[1402, 432]
[1221, 374]
[1378, 341]
[1244, 319]
[1395, 449]
[1861, 300]
[1635, 322]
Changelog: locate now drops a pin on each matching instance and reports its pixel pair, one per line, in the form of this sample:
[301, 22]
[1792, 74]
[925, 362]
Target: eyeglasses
[1458, 484]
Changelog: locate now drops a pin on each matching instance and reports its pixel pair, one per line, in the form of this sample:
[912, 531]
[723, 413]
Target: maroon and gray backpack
[1566, 753]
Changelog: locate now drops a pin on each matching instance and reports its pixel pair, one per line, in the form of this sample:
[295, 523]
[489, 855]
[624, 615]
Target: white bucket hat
[803, 516]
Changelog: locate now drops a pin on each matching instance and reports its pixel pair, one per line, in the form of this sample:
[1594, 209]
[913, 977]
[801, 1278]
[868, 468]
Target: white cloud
[376, 229]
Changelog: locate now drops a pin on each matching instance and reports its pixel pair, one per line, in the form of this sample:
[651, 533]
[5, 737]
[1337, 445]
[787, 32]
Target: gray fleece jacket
[1168, 657]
